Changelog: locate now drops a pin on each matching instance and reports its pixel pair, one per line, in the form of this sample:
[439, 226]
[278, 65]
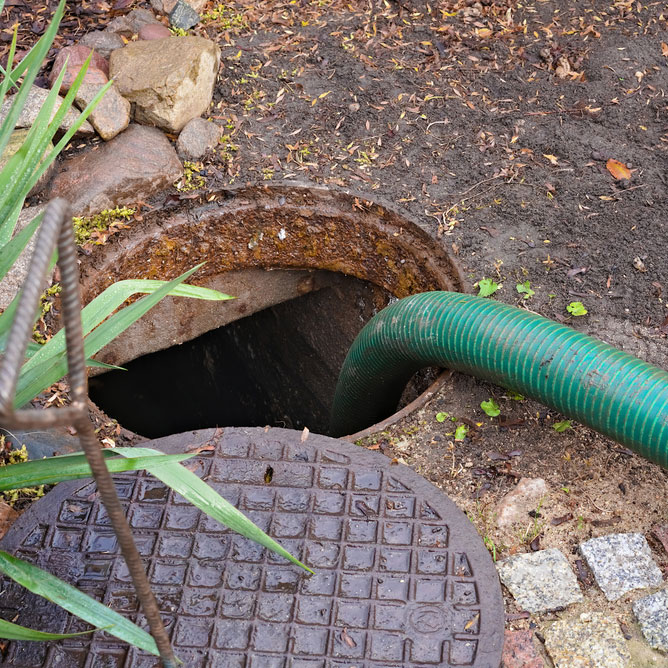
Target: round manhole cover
[401, 576]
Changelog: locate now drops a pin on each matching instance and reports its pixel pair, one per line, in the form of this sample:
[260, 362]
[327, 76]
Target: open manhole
[401, 577]
[309, 267]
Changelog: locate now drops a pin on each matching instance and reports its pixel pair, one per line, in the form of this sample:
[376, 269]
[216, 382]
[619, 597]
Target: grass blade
[108, 301]
[11, 250]
[38, 373]
[191, 488]
[10, 631]
[52, 470]
[55, 590]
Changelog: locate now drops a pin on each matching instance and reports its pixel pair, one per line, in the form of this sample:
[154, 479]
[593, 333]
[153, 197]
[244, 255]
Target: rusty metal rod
[56, 229]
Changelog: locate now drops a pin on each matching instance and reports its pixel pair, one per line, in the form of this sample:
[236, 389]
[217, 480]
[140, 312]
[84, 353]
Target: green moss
[18, 497]
[86, 228]
[45, 306]
[191, 179]
[227, 18]
[179, 32]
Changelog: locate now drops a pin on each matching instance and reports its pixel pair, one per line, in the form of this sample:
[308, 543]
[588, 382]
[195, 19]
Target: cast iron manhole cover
[402, 578]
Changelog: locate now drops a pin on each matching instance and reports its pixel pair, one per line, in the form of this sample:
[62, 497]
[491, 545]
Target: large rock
[103, 41]
[197, 137]
[154, 31]
[15, 142]
[111, 115]
[35, 100]
[170, 81]
[183, 16]
[133, 166]
[73, 57]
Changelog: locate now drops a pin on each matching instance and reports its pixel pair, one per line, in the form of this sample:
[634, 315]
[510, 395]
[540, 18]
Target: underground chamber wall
[276, 367]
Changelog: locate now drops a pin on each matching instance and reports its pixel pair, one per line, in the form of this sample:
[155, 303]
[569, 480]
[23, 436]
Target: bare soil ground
[492, 123]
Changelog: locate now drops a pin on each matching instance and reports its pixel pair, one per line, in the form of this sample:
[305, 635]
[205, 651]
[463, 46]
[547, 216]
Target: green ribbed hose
[585, 379]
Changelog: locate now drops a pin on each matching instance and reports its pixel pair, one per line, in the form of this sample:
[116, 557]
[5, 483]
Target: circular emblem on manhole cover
[401, 577]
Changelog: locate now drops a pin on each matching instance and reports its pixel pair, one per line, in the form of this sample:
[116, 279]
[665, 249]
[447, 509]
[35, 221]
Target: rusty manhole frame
[294, 226]
[361, 521]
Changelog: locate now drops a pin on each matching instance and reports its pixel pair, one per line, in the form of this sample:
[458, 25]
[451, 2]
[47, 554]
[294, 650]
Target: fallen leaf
[664, 49]
[552, 158]
[7, 517]
[618, 169]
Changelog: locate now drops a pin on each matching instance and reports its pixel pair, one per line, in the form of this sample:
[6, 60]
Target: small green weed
[191, 179]
[490, 407]
[562, 426]
[487, 287]
[95, 229]
[577, 309]
[525, 290]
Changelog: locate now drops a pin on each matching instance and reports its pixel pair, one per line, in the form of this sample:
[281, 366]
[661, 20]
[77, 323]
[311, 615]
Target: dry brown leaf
[618, 169]
[7, 517]
[664, 49]
[552, 158]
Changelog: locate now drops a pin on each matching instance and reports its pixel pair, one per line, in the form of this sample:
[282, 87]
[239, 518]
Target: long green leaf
[4, 87]
[10, 631]
[191, 488]
[51, 470]
[108, 301]
[36, 375]
[11, 250]
[53, 589]
[31, 65]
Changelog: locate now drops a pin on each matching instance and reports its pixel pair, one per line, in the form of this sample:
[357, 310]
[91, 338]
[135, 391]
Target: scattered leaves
[618, 169]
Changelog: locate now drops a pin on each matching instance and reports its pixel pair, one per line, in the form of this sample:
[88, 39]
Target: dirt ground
[492, 123]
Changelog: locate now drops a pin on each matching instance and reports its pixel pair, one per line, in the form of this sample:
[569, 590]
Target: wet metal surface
[402, 578]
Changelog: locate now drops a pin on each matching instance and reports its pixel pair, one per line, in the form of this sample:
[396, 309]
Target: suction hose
[585, 379]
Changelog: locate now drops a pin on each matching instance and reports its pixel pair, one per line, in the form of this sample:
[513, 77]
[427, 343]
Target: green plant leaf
[108, 301]
[460, 432]
[525, 289]
[72, 467]
[577, 309]
[487, 287]
[562, 426]
[11, 250]
[441, 417]
[53, 589]
[490, 407]
[191, 488]
[10, 631]
[49, 365]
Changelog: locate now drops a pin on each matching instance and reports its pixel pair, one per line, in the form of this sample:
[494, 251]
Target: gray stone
[169, 81]
[132, 22]
[35, 100]
[590, 641]
[515, 506]
[166, 6]
[197, 137]
[103, 41]
[13, 280]
[111, 115]
[183, 16]
[652, 615]
[135, 165]
[540, 581]
[15, 142]
[620, 563]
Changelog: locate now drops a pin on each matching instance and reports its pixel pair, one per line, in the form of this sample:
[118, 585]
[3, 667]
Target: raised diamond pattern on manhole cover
[402, 578]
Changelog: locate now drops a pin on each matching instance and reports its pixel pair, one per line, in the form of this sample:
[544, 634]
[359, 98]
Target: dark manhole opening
[276, 367]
